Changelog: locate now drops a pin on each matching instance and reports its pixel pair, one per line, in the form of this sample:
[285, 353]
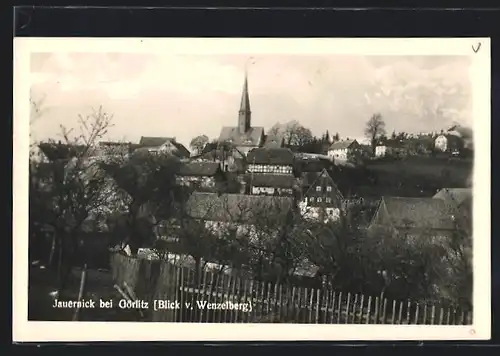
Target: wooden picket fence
[236, 300]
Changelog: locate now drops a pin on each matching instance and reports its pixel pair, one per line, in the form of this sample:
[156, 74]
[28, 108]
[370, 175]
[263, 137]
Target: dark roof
[464, 132]
[278, 156]
[237, 207]
[272, 180]
[60, 151]
[198, 169]
[250, 138]
[392, 143]
[418, 213]
[342, 144]
[154, 141]
[273, 141]
[455, 195]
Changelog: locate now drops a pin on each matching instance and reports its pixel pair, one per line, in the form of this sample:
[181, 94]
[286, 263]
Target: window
[328, 200]
[318, 188]
[311, 199]
[319, 200]
[329, 188]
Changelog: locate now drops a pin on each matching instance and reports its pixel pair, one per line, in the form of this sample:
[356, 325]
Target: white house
[342, 149]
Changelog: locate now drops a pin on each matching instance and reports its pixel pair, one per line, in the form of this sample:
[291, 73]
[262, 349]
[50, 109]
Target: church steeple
[244, 117]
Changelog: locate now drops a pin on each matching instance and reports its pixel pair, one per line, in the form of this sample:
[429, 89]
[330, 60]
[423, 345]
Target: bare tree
[74, 189]
[198, 143]
[375, 127]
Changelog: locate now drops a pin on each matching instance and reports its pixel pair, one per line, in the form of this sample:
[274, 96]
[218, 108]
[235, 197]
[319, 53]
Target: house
[270, 161]
[110, 149]
[413, 219]
[449, 143]
[199, 174]
[274, 141]
[272, 184]
[244, 137]
[459, 200]
[229, 160]
[393, 148]
[342, 150]
[463, 132]
[247, 215]
[321, 198]
[163, 145]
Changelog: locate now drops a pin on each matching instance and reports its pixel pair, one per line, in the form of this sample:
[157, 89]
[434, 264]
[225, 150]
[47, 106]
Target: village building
[200, 175]
[248, 216]
[271, 161]
[274, 141]
[229, 159]
[272, 184]
[244, 137]
[167, 145]
[414, 219]
[342, 150]
[321, 199]
[449, 144]
[391, 148]
[459, 202]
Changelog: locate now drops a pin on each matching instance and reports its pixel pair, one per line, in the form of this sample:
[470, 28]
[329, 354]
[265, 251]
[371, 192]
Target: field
[411, 176]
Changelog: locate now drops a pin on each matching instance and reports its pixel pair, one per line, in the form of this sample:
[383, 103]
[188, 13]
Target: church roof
[252, 137]
[245, 100]
[278, 156]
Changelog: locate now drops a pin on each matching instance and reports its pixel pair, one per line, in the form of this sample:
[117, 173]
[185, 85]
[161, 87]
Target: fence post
[384, 309]
[369, 310]
[361, 306]
[332, 316]
[433, 314]
[408, 312]
[393, 317]
[448, 316]
[269, 315]
[355, 304]
[291, 311]
[318, 305]
[280, 303]
[416, 314]
[249, 299]
[311, 306]
[425, 314]
[326, 297]
[375, 318]
[234, 299]
[347, 308]
[339, 308]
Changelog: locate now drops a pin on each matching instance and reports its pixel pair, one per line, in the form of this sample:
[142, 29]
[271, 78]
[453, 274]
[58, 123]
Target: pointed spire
[245, 100]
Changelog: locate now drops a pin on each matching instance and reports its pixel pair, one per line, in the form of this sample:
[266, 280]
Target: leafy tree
[149, 180]
[375, 127]
[293, 133]
[198, 143]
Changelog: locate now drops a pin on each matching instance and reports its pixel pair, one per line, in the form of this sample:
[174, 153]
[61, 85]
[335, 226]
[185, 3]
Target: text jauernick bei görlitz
[157, 304]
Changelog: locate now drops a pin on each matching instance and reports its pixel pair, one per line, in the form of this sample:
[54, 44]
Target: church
[243, 137]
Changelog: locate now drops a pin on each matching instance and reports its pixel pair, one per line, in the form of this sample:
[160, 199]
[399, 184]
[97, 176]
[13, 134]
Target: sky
[186, 96]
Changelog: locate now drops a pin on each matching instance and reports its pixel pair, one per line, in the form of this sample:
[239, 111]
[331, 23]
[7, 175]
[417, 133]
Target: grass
[99, 284]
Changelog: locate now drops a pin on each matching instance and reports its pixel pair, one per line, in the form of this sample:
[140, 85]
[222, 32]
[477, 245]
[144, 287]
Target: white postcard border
[480, 74]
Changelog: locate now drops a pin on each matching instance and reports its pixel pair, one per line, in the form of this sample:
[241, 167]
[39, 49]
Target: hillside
[412, 176]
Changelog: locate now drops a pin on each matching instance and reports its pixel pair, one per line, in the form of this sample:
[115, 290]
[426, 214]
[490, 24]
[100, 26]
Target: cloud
[187, 95]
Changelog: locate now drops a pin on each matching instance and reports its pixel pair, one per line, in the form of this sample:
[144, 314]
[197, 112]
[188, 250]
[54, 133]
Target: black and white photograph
[276, 184]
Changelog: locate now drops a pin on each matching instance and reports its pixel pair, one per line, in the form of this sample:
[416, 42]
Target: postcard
[245, 189]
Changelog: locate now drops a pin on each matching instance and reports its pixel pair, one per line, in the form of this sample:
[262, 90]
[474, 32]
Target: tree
[72, 187]
[149, 180]
[198, 143]
[375, 127]
[293, 133]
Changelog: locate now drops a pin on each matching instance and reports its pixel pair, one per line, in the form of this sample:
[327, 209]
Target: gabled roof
[421, 213]
[252, 137]
[273, 141]
[310, 179]
[200, 169]
[393, 143]
[342, 144]
[147, 141]
[272, 180]
[156, 142]
[455, 195]
[60, 151]
[237, 207]
[278, 156]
